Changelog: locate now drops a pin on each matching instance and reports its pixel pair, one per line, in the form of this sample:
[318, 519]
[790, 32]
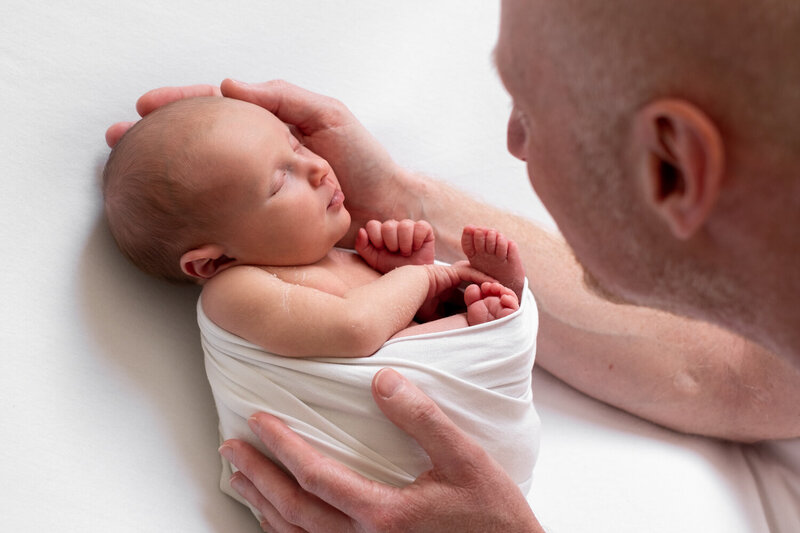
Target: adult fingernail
[388, 382]
[226, 452]
[253, 423]
[238, 82]
[236, 482]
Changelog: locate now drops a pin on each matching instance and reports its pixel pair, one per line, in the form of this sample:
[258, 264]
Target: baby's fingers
[365, 249]
[389, 234]
[405, 237]
[374, 232]
[470, 274]
[423, 232]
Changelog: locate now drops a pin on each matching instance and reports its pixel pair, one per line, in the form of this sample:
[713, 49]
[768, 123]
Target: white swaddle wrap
[480, 376]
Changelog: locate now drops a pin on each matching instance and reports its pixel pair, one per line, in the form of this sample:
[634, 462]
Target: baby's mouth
[337, 199]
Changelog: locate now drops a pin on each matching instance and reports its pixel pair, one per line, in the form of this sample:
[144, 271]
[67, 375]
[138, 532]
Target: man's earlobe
[204, 262]
[685, 163]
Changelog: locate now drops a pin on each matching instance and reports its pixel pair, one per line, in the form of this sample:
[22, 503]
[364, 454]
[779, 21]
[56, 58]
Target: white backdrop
[106, 421]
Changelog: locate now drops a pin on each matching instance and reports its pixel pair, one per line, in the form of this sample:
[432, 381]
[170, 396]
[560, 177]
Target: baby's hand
[388, 245]
[443, 280]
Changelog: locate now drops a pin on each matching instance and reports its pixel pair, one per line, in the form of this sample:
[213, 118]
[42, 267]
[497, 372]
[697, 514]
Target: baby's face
[283, 203]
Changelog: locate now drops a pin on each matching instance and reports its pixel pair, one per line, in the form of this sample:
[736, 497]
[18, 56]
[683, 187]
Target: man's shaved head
[663, 137]
[736, 59]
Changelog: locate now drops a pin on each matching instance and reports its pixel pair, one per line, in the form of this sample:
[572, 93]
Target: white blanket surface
[480, 376]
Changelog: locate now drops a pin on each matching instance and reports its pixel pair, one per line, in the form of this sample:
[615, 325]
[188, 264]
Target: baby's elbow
[360, 337]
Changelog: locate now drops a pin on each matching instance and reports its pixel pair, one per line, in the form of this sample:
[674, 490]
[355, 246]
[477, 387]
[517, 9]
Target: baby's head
[203, 184]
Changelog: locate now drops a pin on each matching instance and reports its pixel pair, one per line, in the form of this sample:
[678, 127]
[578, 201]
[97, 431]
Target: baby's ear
[204, 262]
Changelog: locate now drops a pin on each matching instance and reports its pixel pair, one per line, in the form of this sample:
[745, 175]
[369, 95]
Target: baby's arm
[298, 321]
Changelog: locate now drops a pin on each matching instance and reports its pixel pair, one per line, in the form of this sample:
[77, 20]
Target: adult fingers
[271, 519]
[307, 110]
[332, 482]
[116, 131]
[153, 99]
[293, 504]
[451, 451]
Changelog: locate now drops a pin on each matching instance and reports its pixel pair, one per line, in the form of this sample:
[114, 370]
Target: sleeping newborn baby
[220, 193]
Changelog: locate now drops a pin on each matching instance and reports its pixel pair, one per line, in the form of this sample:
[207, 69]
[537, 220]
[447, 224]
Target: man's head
[207, 183]
[647, 127]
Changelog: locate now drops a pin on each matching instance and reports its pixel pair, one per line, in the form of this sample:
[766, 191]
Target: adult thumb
[414, 412]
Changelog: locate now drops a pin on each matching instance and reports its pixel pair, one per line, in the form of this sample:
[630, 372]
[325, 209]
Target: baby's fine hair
[153, 210]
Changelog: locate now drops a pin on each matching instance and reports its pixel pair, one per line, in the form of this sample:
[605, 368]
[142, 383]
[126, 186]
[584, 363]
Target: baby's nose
[317, 170]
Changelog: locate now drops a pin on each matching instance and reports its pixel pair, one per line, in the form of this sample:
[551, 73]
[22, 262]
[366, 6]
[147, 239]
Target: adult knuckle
[386, 519]
[290, 507]
[423, 411]
[266, 527]
[309, 474]
[332, 111]
[279, 83]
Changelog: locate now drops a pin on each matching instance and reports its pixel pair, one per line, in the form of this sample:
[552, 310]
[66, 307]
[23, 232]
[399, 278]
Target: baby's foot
[488, 302]
[492, 253]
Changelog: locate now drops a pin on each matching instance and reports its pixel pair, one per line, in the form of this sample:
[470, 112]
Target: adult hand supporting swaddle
[329, 497]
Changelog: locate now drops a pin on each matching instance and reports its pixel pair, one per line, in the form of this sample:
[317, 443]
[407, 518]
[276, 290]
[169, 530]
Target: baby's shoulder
[240, 274]
[236, 282]
[238, 290]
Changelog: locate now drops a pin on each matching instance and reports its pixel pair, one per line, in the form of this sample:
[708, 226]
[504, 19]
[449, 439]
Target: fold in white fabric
[776, 469]
[480, 376]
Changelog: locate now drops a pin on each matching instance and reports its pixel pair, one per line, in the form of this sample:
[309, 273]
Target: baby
[219, 192]
[207, 185]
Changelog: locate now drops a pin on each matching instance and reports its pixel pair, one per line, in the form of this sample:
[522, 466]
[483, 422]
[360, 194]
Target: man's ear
[206, 261]
[683, 163]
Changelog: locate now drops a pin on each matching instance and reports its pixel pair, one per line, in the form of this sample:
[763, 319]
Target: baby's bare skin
[492, 253]
[387, 245]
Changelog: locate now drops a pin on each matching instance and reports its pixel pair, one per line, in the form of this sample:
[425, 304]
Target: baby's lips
[337, 199]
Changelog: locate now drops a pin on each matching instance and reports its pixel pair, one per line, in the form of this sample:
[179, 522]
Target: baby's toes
[468, 241]
[501, 249]
[510, 301]
[478, 313]
[472, 294]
